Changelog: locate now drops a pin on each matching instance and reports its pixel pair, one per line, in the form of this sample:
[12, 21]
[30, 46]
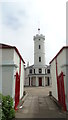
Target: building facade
[12, 72]
[39, 73]
[59, 76]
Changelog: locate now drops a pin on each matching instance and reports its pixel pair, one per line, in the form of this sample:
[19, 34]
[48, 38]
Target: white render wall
[22, 80]
[61, 61]
[7, 56]
[39, 52]
[17, 63]
[36, 70]
[10, 65]
[35, 77]
[7, 71]
[39, 40]
[34, 81]
[0, 70]
[54, 80]
[26, 81]
[7, 78]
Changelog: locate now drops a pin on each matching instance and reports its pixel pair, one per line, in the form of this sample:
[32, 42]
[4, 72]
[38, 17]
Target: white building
[39, 73]
[12, 72]
[59, 76]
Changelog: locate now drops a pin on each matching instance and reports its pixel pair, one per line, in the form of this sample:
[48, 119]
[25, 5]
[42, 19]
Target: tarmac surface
[38, 104]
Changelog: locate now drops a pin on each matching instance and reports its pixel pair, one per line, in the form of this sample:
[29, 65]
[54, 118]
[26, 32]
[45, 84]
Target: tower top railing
[39, 36]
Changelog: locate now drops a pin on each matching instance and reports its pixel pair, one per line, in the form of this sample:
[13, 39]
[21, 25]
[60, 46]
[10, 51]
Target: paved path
[39, 105]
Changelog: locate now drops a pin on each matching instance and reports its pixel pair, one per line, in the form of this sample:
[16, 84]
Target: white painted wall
[54, 80]
[39, 52]
[10, 65]
[7, 78]
[7, 71]
[7, 56]
[61, 61]
[26, 81]
[36, 72]
[17, 62]
[37, 69]
[34, 81]
[0, 70]
[22, 80]
[42, 81]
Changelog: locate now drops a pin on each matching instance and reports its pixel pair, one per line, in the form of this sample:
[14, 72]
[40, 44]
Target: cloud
[12, 16]
[21, 19]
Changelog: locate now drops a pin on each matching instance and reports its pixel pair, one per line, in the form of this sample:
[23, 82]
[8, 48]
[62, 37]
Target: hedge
[6, 108]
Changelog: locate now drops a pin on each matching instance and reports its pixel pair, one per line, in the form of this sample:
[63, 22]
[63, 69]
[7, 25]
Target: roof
[4, 46]
[29, 66]
[32, 66]
[65, 47]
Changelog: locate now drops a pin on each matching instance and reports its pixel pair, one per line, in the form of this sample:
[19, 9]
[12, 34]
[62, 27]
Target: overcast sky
[19, 22]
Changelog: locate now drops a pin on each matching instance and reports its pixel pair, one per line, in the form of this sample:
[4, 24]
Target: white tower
[38, 74]
[39, 50]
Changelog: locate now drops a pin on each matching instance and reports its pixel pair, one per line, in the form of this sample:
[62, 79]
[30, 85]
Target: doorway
[48, 81]
[40, 81]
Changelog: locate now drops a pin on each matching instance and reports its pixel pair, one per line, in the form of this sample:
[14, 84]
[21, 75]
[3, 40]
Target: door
[40, 81]
[17, 86]
[61, 90]
[29, 81]
[60, 87]
[17, 90]
[48, 81]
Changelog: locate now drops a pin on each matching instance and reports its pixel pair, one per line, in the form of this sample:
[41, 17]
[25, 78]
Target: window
[39, 39]
[34, 71]
[48, 71]
[39, 59]
[39, 46]
[45, 71]
[40, 70]
[30, 71]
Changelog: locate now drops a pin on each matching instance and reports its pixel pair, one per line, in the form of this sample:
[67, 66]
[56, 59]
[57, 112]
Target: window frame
[40, 70]
[34, 71]
[48, 71]
[39, 59]
[30, 71]
[39, 46]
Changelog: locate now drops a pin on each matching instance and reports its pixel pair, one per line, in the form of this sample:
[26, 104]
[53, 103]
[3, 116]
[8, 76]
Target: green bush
[8, 111]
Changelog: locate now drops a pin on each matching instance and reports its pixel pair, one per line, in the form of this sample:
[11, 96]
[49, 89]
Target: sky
[20, 20]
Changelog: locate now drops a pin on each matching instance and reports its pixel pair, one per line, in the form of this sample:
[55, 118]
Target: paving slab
[39, 105]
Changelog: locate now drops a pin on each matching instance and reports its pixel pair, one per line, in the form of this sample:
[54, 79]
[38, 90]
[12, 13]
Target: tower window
[34, 71]
[40, 70]
[39, 46]
[39, 59]
[45, 71]
[48, 71]
[30, 71]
